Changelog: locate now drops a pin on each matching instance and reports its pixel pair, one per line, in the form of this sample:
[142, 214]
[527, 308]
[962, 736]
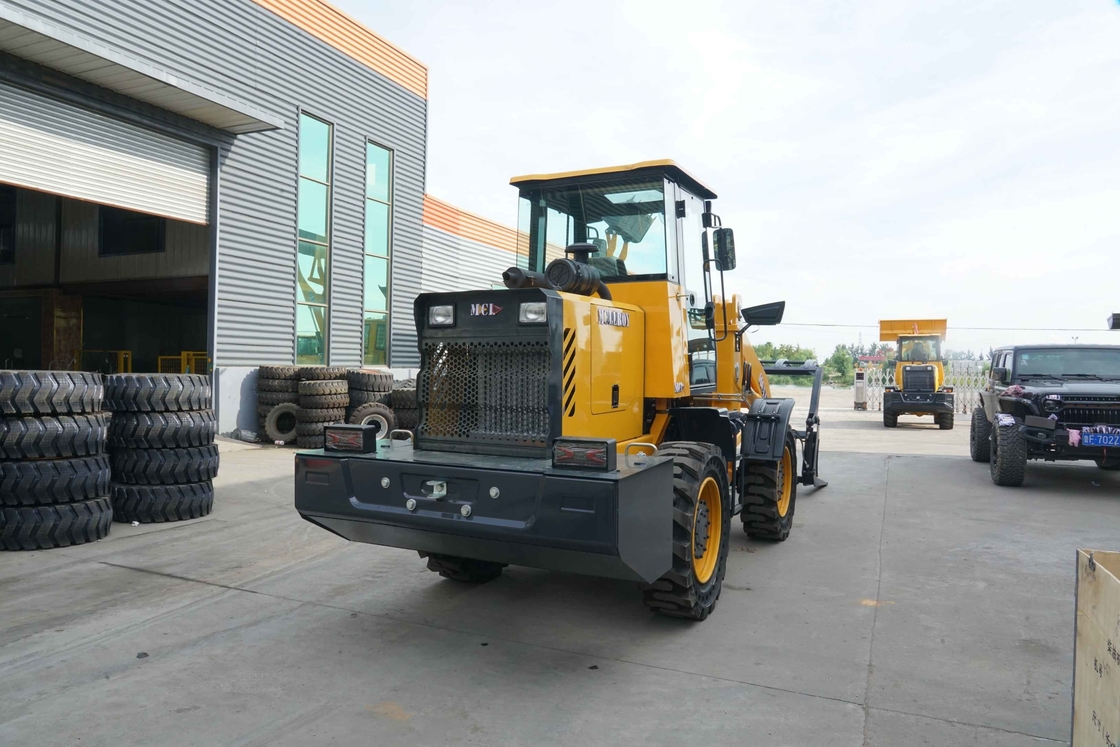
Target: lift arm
[810, 437]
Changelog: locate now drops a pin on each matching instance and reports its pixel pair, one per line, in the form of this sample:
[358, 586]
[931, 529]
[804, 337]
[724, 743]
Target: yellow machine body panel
[910, 352]
[666, 344]
[603, 368]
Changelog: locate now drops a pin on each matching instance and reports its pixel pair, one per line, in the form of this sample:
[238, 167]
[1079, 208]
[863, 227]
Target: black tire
[465, 570]
[330, 386]
[277, 385]
[277, 398]
[43, 527]
[155, 504]
[324, 401]
[1008, 455]
[157, 392]
[52, 437]
[50, 393]
[1111, 465]
[46, 482]
[890, 419]
[403, 399]
[319, 373]
[278, 372]
[165, 466]
[264, 410]
[375, 414]
[311, 429]
[370, 381]
[980, 436]
[309, 442]
[162, 430]
[280, 423]
[680, 592]
[761, 516]
[359, 397]
[407, 419]
[334, 415]
[945, 420]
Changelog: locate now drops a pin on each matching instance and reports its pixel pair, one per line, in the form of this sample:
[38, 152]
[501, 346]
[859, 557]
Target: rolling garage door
[57, 147]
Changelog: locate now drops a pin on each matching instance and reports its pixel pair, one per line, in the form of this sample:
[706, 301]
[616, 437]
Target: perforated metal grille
[917, 380]
[485, 392]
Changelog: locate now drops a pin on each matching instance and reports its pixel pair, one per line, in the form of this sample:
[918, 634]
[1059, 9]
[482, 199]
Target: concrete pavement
[915, 603]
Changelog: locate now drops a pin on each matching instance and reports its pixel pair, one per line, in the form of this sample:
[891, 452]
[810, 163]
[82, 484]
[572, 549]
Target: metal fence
[966, 377]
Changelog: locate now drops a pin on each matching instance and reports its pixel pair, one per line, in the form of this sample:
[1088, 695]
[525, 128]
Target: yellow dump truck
[919, 372]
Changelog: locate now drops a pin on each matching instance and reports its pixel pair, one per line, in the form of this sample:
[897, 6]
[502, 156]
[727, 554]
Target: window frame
[328, 245]
[387, 257]
[161, 239]
[11, 260]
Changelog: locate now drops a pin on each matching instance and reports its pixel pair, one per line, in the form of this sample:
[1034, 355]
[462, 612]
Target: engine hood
[1073, 389]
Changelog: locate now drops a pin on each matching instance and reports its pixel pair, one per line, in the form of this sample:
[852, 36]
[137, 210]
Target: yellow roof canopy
[892, 329]
[664, 167]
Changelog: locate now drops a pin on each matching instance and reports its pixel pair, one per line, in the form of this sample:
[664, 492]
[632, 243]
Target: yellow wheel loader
[919, 373]
[603, 414]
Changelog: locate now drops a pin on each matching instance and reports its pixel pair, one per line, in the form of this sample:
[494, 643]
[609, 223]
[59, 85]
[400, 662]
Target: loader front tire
[771, 495]
[890, 419]
[466, 570]
[701, 520]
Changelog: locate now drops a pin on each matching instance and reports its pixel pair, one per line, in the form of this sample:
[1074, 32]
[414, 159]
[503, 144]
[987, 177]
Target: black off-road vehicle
[1052, 402]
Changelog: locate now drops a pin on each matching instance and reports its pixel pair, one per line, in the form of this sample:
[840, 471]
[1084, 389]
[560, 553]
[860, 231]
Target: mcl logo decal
[485, 309]
[613, 317]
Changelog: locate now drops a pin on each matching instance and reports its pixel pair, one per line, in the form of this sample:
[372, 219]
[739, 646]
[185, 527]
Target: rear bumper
[617, 525]
[916, 403]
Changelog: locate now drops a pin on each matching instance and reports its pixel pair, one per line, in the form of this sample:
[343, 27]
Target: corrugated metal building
[239, 177]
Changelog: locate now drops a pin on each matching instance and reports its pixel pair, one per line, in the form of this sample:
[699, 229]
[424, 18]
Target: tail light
[585, 453]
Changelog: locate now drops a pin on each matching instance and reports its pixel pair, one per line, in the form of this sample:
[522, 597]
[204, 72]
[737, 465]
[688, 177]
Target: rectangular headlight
[585, 453]
[441, 316]
[534, 312]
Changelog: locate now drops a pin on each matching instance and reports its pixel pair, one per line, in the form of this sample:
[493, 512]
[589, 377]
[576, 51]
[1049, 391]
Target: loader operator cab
[646, 224]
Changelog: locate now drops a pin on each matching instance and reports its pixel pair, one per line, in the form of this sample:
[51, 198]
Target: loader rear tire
[771, 495]
[466, 570]
[980, 436]
[701, 520]
[945, 421]
[890, 419]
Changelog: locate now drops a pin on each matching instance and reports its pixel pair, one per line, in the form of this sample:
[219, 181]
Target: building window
[378, 240]
[7, 225]
[313, 253]
[123, 232]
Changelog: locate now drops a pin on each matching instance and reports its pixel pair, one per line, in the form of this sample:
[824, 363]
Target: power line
[984, 329]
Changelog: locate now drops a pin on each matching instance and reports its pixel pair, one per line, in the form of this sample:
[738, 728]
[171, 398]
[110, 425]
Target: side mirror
[765, 315]
[723, 239]
[1001, 375]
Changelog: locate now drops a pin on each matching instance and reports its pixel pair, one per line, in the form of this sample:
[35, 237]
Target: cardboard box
[1096, 661]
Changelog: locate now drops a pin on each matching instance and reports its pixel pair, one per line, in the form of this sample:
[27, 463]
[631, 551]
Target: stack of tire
[54, 475]
[324, 395]
[161, 446]
[403, 401]
[370, 395]
[278, 402]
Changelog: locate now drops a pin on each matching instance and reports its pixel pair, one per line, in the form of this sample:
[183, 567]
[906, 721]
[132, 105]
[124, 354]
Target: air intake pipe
[576, 275]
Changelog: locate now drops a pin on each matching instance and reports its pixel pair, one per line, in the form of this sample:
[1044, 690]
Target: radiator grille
[1080, 414]
[484, 393]
[918, 380]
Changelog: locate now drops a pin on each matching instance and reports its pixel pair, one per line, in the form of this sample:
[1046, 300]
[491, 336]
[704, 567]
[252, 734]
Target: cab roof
[662, 168]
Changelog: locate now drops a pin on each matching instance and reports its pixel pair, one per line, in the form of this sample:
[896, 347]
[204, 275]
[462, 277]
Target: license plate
[1100, 439]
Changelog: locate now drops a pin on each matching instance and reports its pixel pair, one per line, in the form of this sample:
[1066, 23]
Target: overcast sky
[876, 158]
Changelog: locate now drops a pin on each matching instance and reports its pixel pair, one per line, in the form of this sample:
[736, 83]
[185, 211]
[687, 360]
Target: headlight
[441, 316]
[1052, 405]
[535, 312]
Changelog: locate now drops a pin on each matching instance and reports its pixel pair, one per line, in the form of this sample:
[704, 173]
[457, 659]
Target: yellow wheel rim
[707, 530]
[785, 482]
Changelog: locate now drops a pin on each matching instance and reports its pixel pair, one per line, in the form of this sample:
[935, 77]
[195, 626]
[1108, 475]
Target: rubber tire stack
[54, 475]
[161, 445]
[403, 401]
[278, 402]
[324, 395]
[370, 393]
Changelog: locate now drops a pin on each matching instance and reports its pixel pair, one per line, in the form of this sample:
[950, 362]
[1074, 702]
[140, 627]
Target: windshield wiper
[1082, 376]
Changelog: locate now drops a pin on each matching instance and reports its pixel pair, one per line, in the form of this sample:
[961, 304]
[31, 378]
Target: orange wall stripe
[441, 215]
[331, 25]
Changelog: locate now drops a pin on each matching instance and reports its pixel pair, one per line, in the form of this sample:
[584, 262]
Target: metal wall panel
[454, 263]
[36, 214]
[241, 49]
[57, 148]
[186, 250]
